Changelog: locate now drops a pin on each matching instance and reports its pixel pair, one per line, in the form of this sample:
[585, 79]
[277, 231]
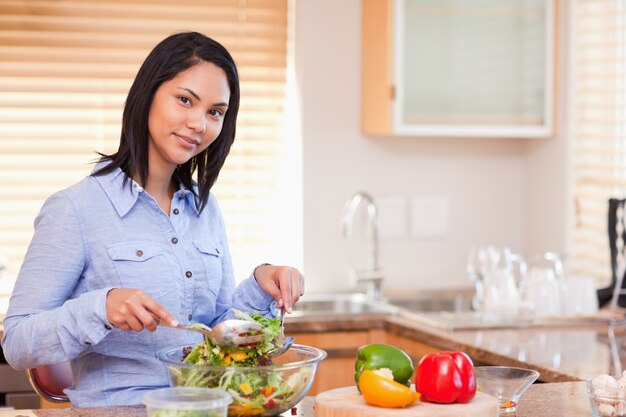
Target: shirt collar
[184, 193]
[124, 195]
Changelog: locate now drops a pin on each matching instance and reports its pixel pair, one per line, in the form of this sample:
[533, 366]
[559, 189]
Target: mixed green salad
[208, 353]
[260, 390]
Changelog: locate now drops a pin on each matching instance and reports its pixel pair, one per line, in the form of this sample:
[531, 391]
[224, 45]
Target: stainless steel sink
[447, 310]
[448, 303]
[338, 304]
[357, 303]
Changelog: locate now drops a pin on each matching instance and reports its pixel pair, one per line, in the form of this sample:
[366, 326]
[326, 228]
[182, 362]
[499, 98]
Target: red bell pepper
[446, 377]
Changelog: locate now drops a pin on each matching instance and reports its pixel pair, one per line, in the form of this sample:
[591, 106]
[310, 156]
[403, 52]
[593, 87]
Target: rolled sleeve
[249, 296]
[84, 320]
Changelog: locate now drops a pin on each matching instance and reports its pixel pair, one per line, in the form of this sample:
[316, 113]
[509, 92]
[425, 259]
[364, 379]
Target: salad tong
[287, 341]
[232, 332]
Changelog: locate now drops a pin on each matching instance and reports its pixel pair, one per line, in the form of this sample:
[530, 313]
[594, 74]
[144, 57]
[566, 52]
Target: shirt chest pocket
[142, 265]
[212, 261]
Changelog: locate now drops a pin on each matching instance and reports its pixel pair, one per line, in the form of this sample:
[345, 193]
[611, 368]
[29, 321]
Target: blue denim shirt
[101, 234]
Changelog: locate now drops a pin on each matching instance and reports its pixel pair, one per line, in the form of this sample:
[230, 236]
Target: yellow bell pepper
[380, 390]
[244, 410]
[239, 356]
[245, 388]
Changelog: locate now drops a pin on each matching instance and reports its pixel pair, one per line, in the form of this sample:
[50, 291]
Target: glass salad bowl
[256, 391]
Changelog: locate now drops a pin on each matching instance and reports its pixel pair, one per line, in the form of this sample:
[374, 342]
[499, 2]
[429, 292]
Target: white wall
[550, 205]
[500, 191]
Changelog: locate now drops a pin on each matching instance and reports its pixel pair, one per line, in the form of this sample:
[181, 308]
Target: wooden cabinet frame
[381, 96]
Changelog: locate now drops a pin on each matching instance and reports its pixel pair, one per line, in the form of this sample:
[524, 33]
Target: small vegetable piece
[238, 356]
[381, 391]
[446, 377]
[245, 388]
[508, 404]
[379, 355]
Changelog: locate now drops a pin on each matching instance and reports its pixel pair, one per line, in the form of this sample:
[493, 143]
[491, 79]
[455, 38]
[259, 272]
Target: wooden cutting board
[348, 402]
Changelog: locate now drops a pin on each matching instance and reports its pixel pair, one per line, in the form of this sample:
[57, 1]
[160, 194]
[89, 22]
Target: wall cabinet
[458, 68]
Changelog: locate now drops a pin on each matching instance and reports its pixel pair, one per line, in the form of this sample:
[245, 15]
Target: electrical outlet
[429, 216]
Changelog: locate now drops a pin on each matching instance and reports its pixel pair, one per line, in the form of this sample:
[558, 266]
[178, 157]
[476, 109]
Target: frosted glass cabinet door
[468, 68]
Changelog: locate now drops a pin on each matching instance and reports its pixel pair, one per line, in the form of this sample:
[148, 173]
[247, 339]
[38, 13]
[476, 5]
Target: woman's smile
[186, 141]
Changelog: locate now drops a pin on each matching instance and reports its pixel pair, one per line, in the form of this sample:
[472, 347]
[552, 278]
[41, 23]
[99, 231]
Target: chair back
[617, 245]
[49, 381]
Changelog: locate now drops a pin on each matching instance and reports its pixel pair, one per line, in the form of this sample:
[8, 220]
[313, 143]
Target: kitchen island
[541, 400]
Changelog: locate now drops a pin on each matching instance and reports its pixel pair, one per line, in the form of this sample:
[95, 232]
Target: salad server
[287, 341]
[232, 332]
[282, 349]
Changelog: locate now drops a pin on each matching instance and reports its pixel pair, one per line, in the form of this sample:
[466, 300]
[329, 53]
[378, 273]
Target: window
[65, 69]
[599, 129]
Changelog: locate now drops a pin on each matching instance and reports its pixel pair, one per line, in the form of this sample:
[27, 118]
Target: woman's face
[186, 115]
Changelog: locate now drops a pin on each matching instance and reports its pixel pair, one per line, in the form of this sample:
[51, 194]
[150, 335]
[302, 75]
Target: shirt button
[106, 326]
[189, 317]
[174, 240]
[139, 253]
[176, 211]
[188, 274]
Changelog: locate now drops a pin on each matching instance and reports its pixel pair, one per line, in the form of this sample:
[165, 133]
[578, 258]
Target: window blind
[599, 129]
[65, 69]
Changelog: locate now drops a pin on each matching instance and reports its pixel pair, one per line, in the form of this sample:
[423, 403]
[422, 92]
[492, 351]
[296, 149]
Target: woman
[139, 241]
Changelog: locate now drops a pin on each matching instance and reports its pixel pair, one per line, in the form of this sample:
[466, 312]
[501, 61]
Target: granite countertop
[541, 400]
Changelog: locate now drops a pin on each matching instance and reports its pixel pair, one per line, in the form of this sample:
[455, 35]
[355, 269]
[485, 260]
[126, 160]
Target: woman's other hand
[284, 283]
[132, 309]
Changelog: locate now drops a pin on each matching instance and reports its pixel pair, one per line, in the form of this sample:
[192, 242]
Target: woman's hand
[284, 283]
[133, 309]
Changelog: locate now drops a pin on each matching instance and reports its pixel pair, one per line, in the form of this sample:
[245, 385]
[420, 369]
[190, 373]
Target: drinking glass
[478, 264]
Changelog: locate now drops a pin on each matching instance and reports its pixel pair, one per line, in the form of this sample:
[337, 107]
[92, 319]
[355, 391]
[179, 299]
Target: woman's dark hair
[171, 56]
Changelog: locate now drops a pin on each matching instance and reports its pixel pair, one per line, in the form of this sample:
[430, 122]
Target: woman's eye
[184, 100]
[216, 113]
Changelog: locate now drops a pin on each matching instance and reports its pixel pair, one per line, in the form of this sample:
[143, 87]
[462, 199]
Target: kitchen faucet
[372, 276]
